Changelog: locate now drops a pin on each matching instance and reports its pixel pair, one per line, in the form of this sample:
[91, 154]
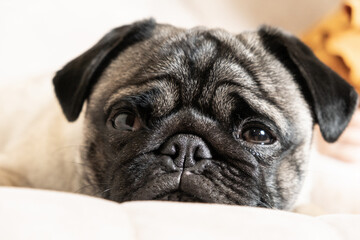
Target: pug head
[201, 115]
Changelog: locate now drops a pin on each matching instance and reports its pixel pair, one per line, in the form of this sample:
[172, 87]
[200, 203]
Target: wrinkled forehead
[206, 69]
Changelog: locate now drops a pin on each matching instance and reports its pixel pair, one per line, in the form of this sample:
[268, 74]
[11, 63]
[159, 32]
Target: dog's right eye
[126, 121]
[257, 135]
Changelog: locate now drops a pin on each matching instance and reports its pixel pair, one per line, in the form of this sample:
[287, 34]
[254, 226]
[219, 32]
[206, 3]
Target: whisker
[264, 203]
[93, 186]
[65, 147]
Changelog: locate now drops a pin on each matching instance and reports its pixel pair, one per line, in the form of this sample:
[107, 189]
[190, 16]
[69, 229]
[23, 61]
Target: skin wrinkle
[216, 194]
[252, 41]
[261, 77]
[261, 105]
[248, 55]
[191, 87]
[236, 178]
[221, 185]
[168, 90]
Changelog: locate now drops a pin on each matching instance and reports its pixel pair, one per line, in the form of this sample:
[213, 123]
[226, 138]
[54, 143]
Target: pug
[190, 115]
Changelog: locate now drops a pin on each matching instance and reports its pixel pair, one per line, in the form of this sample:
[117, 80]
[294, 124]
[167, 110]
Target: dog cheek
[94, 168]
[130, 176]
[290, 179]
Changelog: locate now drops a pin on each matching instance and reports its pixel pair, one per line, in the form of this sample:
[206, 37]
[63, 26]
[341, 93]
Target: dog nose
[185, 150]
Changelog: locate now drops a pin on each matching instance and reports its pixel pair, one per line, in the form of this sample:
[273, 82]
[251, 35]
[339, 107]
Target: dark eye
[257, 135]
[126, 121]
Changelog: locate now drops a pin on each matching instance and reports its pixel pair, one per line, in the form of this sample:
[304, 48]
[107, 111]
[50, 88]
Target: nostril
[197, 154]
[185, 150]
[170, 149]
[202, 152]
[176, 151]
[173, 149]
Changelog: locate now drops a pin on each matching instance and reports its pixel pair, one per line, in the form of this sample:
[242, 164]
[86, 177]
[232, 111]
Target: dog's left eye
[126, 121]
[257, 135]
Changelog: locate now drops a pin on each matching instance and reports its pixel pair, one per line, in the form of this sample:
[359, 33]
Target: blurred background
[39, 36]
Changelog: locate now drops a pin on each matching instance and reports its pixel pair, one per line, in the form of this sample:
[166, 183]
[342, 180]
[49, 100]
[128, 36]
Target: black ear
[74, 82]
[332, 99]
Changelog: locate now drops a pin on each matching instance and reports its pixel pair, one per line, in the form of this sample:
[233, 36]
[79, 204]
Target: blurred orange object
[336, 41]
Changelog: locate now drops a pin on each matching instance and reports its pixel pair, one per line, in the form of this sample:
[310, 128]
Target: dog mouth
[184, 186]
[208, 181]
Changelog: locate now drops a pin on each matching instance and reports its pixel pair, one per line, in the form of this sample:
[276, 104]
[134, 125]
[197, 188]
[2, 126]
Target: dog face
[201, 115]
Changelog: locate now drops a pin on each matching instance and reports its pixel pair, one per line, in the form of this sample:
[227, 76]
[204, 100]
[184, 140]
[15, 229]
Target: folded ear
[75, 80]
[331, 98]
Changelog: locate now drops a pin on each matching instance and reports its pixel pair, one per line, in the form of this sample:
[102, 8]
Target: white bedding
[38, 214]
